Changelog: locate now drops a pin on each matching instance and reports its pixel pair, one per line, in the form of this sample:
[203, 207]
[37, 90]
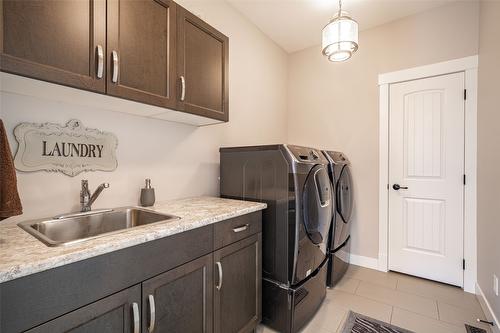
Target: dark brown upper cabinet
[150, 51]
[141, 56]
[202, 67]
[56, 41]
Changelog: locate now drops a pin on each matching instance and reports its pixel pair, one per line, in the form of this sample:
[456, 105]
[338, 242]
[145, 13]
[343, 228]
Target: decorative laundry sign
[70, 149]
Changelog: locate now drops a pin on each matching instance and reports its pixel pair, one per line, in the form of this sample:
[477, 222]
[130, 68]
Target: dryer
[294, 183]
[339, 238]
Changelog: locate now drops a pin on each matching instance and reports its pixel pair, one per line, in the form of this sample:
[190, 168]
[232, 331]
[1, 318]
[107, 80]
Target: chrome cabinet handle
[135, 311]
[152, 313]
[219, 268]
[183, 88]
[116, 66]
[100, 62]
[241, 228]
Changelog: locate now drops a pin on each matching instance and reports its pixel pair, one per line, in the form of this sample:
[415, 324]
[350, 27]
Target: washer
[339, 238]
[295, 184]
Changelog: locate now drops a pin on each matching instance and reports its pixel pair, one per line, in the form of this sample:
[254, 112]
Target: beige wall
[181, 160]
[488, 195]
[335, 106]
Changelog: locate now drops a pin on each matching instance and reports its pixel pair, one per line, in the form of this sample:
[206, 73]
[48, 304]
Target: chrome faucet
[86, 199]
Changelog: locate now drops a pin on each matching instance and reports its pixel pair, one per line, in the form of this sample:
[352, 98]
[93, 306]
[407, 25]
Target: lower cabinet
[237, 292]
[180, 300]
[118, 313]
[215, 290]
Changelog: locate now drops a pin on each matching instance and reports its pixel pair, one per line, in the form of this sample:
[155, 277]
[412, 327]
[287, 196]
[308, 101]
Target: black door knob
[398, 187]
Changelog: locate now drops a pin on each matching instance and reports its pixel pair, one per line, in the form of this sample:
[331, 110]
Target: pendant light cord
[340, 8]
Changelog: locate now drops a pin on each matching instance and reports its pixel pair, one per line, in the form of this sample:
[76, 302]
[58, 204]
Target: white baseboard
[488, 312]
[363, 261]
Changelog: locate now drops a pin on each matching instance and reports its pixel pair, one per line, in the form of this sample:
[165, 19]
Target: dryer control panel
[304, 154]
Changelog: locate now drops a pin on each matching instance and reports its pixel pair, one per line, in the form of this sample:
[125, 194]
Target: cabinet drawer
[237, 228]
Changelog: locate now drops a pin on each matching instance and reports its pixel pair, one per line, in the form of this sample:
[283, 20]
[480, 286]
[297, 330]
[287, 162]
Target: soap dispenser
[148, 195]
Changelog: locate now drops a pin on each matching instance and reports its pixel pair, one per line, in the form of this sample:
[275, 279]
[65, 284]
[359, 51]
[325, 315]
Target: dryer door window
[318, 204]
[344, 194]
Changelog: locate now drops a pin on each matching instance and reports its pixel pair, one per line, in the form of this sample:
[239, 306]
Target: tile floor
[416, 304]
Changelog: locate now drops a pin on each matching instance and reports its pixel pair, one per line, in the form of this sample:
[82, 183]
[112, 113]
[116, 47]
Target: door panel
[344, 203]
[237, 303]
[202, 61]
[113, 314]
[318, 205]
[427, 156]
[182, 299]
[54, 41]
[142, 33]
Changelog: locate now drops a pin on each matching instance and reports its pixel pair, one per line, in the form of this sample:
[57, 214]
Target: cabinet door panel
[238, 301]
[182, 299]
[54, 41]
[142, 32]
[203, 61]
[112, 314]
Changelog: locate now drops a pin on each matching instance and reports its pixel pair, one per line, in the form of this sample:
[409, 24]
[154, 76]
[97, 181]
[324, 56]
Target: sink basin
[78, 227]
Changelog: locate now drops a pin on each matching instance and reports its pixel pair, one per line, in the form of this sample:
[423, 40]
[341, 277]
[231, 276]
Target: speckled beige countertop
[22, 254]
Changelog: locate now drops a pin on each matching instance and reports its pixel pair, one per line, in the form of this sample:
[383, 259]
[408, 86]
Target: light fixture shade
[340, 38]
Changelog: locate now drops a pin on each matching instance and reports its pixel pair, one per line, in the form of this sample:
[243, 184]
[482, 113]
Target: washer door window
[344, 203]
[318, 204]
[344, 194]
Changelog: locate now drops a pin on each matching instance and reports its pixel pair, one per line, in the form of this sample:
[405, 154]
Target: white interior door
[426, 159]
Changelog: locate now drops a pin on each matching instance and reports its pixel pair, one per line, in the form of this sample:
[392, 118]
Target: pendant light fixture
[340, 37]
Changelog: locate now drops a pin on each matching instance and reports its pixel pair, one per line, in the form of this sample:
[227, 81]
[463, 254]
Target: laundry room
[224, 166]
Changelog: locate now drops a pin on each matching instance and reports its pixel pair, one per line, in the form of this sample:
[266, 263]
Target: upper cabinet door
[56, 41]
[141, 56]
[202, 67]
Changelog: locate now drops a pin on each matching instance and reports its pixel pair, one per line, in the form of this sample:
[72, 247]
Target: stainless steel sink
[78, 227]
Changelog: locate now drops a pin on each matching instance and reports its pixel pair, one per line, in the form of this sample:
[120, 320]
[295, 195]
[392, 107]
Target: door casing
[468, 66]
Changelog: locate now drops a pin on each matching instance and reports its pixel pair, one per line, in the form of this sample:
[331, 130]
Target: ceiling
[297, 24]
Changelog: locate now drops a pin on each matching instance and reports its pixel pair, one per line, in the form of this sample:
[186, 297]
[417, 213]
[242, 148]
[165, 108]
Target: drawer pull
[100, 62]
[116, 66]
[152, 313]
[241, 228]
[135, 312]
[219, 268]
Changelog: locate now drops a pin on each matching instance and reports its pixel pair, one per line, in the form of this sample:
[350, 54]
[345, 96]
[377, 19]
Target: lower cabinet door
[180, 300]
[118, 313]
[237, 291]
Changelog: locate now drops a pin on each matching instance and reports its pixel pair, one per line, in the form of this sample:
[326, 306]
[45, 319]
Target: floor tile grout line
[438, 320]
[400, 307]
[404, 292]
[450, 303]
[437, 307]
[396, 306]
[357, 286]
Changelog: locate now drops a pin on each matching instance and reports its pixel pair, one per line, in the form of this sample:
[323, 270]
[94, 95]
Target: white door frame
[468, 66]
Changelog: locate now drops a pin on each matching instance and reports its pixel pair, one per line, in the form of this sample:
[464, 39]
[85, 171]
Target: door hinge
[463, 264]
[465, 180]
[465, 94]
